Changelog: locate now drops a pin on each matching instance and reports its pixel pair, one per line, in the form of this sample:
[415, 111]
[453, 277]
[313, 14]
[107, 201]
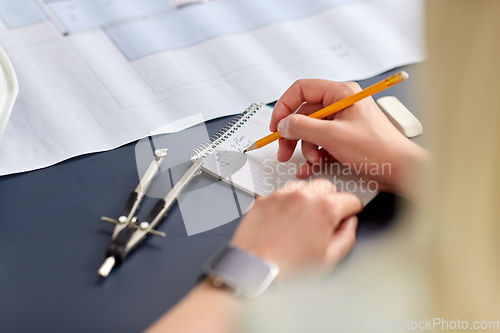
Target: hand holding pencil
[358, 134]
[339, 105]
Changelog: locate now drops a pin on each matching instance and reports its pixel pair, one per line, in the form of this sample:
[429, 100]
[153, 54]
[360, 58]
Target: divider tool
[128, 233]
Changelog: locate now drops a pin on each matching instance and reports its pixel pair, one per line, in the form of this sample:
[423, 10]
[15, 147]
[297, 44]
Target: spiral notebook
[259, 172]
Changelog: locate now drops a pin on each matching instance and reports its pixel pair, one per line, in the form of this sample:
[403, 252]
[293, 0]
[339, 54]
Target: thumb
[317, 131]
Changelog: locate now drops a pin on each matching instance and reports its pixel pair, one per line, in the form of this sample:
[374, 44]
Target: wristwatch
[242, 272]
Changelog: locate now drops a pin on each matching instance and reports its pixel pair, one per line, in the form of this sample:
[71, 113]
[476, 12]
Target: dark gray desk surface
[52, 243]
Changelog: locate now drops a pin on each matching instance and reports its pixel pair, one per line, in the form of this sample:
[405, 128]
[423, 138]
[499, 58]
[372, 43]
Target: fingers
[318, 188]
[306, 170]
[316, 155]
[308, 108]
[344, 204]
[335, 206]
[343, 241]
[286, 149]
[311, 152]
[310, 96]
[323, 193]
[316, 131]
[313, 91]
[316, 163]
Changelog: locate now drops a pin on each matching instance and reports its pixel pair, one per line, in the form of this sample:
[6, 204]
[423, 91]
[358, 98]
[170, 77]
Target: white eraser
[405, 75]
[400, 116]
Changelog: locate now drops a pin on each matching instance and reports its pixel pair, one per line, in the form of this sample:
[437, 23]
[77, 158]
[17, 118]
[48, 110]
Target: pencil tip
[252, 147]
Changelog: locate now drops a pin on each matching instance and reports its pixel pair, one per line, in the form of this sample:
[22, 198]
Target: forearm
[413, 163]
[205, 309]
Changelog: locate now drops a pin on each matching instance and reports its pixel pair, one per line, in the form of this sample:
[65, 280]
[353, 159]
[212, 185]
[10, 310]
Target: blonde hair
[462, 104]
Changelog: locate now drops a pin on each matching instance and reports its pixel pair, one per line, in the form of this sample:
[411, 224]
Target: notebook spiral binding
[207, 147]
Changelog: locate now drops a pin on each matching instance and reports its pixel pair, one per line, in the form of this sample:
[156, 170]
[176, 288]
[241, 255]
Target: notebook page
[259, 171]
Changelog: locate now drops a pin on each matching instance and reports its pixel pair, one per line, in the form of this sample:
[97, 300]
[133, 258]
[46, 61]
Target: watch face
[242, 270]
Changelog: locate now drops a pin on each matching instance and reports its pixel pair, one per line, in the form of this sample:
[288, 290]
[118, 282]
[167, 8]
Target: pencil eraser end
[405, 75]
[400, 116]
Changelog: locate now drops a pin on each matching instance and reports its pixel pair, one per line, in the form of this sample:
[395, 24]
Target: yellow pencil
[340, 105]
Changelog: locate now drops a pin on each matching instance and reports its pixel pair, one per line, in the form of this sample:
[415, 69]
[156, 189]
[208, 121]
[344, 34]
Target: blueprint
[96, 74]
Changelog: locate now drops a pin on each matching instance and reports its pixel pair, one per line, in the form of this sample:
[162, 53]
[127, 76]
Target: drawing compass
[129, 232]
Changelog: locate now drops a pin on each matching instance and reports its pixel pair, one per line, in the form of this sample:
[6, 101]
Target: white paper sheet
[260, 173]
[91, 82]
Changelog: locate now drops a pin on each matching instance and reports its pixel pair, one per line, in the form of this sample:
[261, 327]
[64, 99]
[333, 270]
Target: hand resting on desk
[314, 225]
[311, 226]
